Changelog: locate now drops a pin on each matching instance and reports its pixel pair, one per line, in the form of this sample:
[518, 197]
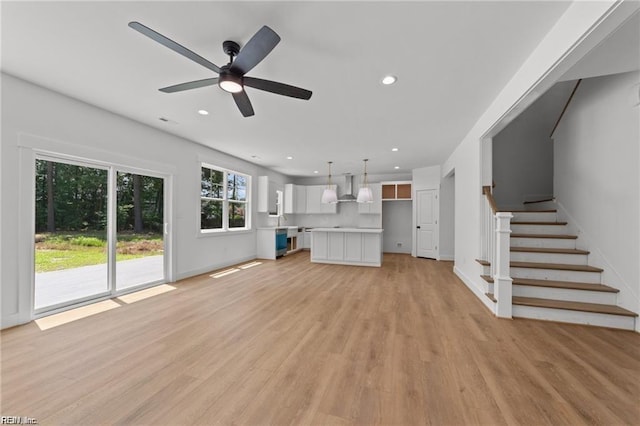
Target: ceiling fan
[232, 76]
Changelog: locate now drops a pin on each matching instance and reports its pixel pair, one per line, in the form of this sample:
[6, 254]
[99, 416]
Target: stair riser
[539, 229]
[535, 217]
[556, 275]
[543, 242]
[486, 270]
[575, 317]
[567, 294]
[572, 259]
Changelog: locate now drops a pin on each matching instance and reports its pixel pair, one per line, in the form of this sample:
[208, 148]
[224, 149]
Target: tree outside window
[224, 202]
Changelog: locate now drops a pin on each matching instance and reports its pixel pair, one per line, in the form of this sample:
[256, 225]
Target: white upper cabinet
[314, 197]
[269, 196]
[295, 199]
[289, 198]
[300, 199]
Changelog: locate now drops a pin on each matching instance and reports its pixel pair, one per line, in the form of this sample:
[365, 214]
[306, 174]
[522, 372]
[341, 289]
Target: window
[224, 200]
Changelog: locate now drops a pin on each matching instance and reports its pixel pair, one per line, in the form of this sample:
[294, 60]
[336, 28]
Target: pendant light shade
[364, 193]
[329, 195]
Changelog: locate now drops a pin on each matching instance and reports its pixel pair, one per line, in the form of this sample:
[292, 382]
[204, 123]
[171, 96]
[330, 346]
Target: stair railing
[497, 251]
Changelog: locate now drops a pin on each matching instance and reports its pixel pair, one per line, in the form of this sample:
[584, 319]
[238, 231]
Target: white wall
[398, 233]
[597, 178]
[447, 217]
[579, 29]
[523, 151]
[32, 115]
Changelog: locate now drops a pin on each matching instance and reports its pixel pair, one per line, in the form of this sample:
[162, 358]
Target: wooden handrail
[486, 190]
[565, 107]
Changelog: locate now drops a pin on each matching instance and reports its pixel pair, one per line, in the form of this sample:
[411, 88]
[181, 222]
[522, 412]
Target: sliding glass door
[140, 226]
[71, 250]
[99, 232]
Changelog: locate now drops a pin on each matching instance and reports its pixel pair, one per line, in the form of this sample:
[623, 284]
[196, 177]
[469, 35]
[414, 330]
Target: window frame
[225, 201]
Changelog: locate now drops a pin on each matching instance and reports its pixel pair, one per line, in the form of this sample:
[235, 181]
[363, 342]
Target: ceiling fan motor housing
[231, 48]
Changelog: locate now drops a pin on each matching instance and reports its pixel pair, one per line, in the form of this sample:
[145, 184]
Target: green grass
[60, 251]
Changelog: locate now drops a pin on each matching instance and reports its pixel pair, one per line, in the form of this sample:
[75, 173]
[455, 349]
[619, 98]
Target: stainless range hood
[347, 189]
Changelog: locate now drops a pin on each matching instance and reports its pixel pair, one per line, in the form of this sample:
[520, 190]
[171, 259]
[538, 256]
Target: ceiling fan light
[365, 195]
[230, 83]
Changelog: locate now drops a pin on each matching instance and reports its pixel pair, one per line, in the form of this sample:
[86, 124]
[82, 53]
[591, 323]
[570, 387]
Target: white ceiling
[451, 59]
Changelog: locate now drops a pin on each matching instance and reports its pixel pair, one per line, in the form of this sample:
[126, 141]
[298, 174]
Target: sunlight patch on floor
[250, 265]
[75, 314]
[224, 273]
[145, 294]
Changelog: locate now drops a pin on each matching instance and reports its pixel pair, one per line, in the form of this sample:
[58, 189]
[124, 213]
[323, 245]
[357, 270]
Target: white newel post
[502, 278]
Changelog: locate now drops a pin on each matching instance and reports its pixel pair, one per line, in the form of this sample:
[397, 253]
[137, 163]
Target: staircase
[552, 279]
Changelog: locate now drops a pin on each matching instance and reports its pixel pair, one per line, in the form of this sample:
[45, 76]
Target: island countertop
[359, 230]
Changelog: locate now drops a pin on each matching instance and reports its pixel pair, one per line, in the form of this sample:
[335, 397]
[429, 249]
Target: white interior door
[427, 223]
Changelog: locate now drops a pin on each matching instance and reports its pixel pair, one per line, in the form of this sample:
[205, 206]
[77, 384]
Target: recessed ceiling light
[289, 158]
[389, 79]
[203, 112]
[394, 149]
[396, 167]
[316, 172]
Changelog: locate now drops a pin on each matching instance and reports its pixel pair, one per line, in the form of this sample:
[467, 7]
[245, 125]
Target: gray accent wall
[523, 151]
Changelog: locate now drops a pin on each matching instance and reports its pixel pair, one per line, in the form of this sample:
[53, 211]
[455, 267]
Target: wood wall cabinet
[400, 190]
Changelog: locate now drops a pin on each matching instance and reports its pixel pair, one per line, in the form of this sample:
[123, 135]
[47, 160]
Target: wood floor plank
[292, 342]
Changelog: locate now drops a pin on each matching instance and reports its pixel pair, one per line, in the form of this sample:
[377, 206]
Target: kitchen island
[347, 246]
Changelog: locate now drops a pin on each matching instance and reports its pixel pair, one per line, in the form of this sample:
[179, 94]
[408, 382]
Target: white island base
[347, 246]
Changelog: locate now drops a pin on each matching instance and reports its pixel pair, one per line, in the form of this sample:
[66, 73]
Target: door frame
[32, 147]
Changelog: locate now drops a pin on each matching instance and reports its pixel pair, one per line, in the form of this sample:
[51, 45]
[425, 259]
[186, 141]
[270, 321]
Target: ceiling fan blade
[277, 88]
[173, 46]
[243, 102]
[190, 85]
[255, 50]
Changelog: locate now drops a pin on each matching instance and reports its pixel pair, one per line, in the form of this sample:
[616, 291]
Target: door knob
[418, 227]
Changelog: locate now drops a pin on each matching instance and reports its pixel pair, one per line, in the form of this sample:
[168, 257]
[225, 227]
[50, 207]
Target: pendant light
[329, 195]
[364, 193]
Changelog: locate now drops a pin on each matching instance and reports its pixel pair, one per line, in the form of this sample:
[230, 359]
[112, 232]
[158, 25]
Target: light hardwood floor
[290, 342]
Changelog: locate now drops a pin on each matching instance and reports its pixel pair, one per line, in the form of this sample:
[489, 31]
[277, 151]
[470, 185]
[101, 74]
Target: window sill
[224, 232]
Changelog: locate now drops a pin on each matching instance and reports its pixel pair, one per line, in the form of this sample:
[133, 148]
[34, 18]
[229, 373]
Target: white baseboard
[476, 289]
[213, 267]
[447, 257]
[11, 321]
